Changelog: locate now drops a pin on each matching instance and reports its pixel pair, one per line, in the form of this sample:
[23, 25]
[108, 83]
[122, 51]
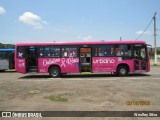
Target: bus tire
[54, 72]
[122, 71]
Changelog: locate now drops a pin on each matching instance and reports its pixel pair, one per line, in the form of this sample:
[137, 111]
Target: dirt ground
[39, 92]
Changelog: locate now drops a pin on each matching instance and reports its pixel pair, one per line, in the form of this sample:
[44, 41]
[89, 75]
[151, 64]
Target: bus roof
[82, 43]
[6, 49]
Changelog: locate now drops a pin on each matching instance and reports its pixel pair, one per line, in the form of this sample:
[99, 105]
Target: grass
[155, 64]
[58, 98]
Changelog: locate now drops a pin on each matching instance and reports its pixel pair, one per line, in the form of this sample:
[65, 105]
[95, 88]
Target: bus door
[85, 60]
[31, 59]
[140, 57]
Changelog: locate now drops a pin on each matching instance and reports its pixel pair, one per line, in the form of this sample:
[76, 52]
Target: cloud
[32, 19]
[140, 32]
[86, 38]
[2, 10]
[88, 21]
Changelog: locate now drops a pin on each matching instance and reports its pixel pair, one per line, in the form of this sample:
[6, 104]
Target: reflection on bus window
[52, 52]
[123, 50]
[3, 55]
[69, 52]
[104, 50]
[143, 53]
[136, 53]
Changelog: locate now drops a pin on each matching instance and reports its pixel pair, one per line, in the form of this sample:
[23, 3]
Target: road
[100, 92]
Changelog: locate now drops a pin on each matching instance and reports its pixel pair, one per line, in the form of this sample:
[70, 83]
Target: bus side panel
[20, 65]
[109, 64]
[130, 64]
[67, 65]
[104, 64]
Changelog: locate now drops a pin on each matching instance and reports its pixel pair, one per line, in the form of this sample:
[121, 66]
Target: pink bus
[57, 58]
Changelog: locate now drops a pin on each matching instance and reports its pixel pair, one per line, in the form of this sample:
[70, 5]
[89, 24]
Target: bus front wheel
[122, 71]
[54, 72]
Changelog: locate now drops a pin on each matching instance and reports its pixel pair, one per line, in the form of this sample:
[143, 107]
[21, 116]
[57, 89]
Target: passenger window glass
[21, 52]
[136, 53]
[40, 52]
[123, 50]
[3, 55]
[52, 52]
[105, 50]
[69, 52]
[143, 53]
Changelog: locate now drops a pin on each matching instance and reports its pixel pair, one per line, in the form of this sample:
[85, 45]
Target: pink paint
[109, 64]
[104, 64]
[67, 65]
[82, 43]
[71, 65]
[20, 65]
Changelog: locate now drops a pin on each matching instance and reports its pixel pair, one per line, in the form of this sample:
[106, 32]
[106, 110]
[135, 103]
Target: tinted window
[21, 52]
[136, 52]
[40, 52]
[3, 55]
[123, 50]
[143, 53]
[104, 50]
[69, 52]
[52, 52]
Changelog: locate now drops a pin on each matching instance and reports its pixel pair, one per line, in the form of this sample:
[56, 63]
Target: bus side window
[47, 51]
[40, 52]
[21, 52]
[96, 52]
[104, 50]
[2, 55]
[135, 53]
[55, 52]
[123, 50]
[52, 51]
[142, 53]
[112, 51]
[118, 52]
[100, 51]
[69, 52]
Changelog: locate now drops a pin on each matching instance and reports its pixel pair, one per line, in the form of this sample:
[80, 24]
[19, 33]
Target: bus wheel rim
[122, 71]
[54, 72]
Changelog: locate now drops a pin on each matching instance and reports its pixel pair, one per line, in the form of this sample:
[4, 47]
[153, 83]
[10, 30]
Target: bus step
[33, 67]
[86, 73]
[32, 70]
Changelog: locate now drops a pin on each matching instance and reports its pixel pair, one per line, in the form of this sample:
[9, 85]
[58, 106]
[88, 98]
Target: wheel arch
[123, 64]
[54, 65]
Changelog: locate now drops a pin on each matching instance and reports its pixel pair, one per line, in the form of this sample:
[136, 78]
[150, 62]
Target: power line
[145, 29]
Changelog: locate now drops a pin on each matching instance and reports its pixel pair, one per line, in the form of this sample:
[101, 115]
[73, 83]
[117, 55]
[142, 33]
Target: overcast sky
[77, 20]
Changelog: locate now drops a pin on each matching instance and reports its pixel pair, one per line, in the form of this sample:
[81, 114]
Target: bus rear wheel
[54, 72]
[122, 71]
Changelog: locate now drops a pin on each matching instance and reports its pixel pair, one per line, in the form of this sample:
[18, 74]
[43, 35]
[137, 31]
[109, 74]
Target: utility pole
[120, 38]
[155, 47]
